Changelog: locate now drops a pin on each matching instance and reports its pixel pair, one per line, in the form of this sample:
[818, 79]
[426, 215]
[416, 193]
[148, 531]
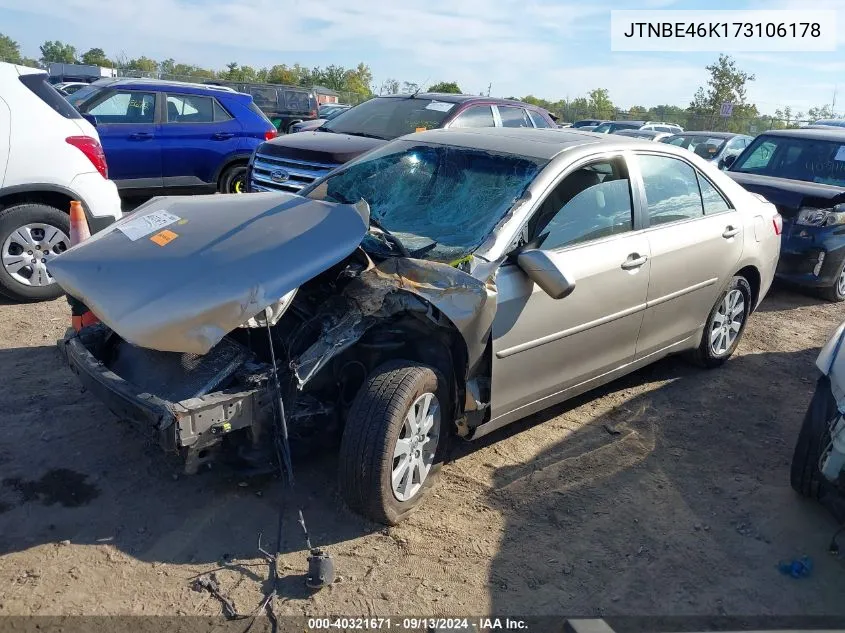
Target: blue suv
[179, 137]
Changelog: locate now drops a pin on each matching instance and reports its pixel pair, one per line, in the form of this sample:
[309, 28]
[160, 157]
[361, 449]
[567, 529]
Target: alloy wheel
[28, 250]
[727, 322]
[413, 455]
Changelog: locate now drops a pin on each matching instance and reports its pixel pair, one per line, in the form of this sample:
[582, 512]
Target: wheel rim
[413, 455]
[727, 322]
[840, 284]
[237, 185]
[28, 251]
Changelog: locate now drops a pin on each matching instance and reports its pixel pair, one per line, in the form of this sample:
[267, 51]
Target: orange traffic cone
[81, 316]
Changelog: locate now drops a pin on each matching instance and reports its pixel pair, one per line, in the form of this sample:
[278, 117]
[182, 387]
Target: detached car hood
[789, 195]
[182, 272]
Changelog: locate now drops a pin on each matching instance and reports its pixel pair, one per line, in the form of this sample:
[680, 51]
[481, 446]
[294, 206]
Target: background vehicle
[328, 115]
[651, 135]
[385, 270]
[165, 135]
[49, 155]
[660, 126]
[283, 105]
[830, 122]
[586, 128]
[608, 127]
[589, 123]
[289, 163]
[328, 108]
[803, 173]
[818, 462]
[716, 147]
[69, 87]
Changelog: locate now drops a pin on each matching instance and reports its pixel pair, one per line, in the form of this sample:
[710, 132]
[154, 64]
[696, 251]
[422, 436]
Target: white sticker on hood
[136, 228]
[440, 106]
[840, 155]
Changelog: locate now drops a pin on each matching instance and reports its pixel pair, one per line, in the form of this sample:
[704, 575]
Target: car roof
[173, 86]
[710, 134]
[456, 98]
[819, 133]
[544, 143]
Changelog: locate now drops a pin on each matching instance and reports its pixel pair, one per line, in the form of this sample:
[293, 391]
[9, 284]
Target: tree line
[726, 84]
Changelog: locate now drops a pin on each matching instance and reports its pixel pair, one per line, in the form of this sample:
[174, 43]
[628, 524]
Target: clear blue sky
[549, 48]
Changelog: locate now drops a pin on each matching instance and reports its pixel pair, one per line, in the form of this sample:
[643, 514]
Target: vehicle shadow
[72, 471]
[642, 513]
[783, 296]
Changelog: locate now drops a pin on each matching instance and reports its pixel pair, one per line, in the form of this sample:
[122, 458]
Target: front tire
[233, 179]
[725, 324]
[394, 441]
[836, 292]
[30, 236]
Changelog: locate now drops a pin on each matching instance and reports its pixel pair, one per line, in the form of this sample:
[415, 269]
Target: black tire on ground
[703, 355]
[13, 218]
[834, 293]
[233, 179]
[372, 429]
[804, 475]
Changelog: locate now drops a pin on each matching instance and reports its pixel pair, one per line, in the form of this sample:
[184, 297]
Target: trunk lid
[181, 272]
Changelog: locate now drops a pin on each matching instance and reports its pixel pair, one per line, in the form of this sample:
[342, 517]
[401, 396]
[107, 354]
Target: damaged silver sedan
[443, 285]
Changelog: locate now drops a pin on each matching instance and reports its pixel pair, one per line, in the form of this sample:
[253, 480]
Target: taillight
[777, 222]
[314, 113]
[270, 134]
[93, 150]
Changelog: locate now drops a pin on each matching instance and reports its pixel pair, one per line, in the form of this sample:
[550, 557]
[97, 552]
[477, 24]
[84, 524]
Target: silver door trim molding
[681, 292]
[556, 336]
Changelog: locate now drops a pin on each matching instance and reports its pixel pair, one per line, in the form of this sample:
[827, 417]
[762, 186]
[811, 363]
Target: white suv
[49, 155]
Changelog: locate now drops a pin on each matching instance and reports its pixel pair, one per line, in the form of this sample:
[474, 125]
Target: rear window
[391, 117]
[259, 112]
[37, 83]
[811, 160]
[297, 101]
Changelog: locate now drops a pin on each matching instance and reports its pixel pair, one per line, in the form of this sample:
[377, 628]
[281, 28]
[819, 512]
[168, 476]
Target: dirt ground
[664, 493]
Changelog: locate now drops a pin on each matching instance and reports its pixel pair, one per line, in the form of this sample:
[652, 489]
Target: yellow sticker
[182, 221]
[421, 129]
[164, 237]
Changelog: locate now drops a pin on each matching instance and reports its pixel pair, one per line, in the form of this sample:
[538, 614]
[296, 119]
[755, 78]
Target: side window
[671, 189]
[760, 157]
[713, 201]
[125, 107]
[538, 119]
[514, 117]
[189, 109]
[590, 203]
[476, 116]
[220, 113]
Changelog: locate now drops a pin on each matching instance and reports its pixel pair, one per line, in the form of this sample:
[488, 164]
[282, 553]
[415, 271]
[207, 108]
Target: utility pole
[490, 85]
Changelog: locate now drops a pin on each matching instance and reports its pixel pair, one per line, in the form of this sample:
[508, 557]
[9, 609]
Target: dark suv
[291, 162]
[284, 105]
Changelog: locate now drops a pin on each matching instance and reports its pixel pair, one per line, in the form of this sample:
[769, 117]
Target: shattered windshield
[439, 201]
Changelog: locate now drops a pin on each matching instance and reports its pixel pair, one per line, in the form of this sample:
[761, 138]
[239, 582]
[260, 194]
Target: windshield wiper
[390, 238]
[366, 135]
[323, 128]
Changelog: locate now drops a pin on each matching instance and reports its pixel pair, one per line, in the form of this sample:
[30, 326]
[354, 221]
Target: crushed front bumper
[194, 428]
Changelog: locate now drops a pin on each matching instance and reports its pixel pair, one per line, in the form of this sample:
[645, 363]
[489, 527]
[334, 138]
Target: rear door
[128, 129]
[513, 116]
[5, 132]
[197, 136]
[695, 237]
[474, 116]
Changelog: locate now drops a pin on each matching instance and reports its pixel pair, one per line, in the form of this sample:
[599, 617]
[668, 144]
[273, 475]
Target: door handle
[141, 136]
[635, 260]
[222, 136]
[729, 232]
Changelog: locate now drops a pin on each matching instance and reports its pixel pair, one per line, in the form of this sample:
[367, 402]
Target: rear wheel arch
[755, 281]
[53, 196]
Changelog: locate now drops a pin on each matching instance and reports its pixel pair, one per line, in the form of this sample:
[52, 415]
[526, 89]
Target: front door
[126, 124]
[543, 346]
[695, 238]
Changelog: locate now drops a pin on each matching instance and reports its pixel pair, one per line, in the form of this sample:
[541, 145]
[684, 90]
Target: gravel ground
[664, 493]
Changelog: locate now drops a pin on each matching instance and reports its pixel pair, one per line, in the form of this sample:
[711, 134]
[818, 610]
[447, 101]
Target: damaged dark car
[440, 286]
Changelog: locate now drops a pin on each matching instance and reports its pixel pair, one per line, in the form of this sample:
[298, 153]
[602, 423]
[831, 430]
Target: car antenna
[419, 87]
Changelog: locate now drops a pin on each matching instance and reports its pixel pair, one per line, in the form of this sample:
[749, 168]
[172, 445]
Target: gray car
[442, 285]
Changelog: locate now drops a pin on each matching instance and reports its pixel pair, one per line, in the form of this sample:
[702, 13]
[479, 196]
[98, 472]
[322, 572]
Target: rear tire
[804, 475]
[713, 353]
[836, 292]
[383, 453]
[35, 222]
[233, 179]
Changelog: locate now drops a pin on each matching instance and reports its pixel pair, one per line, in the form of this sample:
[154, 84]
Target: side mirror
[727, 161]
[91, 119]
[543, 270]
